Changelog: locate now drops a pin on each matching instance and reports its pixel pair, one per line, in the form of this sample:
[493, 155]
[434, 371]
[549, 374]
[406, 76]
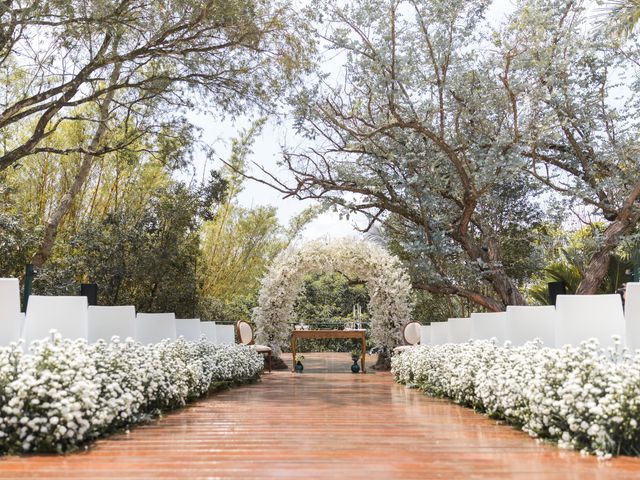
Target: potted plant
[299, 367]
[355, 356]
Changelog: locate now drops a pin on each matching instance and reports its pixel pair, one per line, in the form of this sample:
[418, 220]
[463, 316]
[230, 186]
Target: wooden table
[314, 334]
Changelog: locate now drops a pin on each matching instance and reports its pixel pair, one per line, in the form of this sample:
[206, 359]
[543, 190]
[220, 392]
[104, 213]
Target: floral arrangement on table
[388, 283]
[585, 398]
[66, 393]
[356, 354]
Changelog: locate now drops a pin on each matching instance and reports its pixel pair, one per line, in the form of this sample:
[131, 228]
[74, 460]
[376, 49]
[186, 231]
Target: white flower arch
[386, 279]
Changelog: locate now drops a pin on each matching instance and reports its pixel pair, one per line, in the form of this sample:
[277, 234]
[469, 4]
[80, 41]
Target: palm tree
[622, 16]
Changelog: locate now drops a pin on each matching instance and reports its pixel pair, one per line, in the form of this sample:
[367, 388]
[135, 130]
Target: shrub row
[63, 394]
[585, 398]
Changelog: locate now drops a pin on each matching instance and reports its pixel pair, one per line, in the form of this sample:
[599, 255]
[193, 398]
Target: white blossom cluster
[387, 281]
[65, 393]
[585, 397]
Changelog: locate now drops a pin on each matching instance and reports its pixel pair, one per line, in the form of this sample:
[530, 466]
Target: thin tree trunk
[502, 284]
[598, 266]
[87, 161]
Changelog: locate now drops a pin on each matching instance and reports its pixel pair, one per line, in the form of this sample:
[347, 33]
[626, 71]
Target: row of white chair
[73, 318]
[575, 318]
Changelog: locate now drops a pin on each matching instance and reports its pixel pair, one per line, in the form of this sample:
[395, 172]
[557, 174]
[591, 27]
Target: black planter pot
[355, 368]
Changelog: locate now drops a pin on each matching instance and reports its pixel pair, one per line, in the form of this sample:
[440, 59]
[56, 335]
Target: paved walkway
[322, 425]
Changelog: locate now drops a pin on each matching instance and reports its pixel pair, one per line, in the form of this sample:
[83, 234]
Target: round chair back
[411, 333]
[245, 332]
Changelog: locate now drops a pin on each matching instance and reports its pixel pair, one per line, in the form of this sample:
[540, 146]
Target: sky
[267, 153]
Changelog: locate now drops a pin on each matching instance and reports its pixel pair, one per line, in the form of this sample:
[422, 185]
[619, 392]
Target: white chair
[439, 333]
[632, 315]
[525, 324]
[106, 322]
[459, 330]
[188, 328]
[245, 335]
[208, 329]
[411, 336]
[225, 334]
[425, 335]
[67, 315]
[485, 326]
[155, 327]
[581, 317]
[10, 316]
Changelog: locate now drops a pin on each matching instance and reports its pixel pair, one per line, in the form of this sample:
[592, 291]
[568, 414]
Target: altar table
[315, 334]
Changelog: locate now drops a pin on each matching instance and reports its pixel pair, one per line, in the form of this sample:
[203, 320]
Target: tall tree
[137, 64]
[190, 53]
[419, 133]
[579, 90]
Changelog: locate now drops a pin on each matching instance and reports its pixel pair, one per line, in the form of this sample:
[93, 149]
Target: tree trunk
[502, 284]
[86, 163]
[504, 287]
[598, 265]
[484, 301]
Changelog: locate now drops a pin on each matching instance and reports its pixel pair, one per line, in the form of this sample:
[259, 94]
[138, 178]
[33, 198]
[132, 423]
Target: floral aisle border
[67, 393]
[387, 281]
[582, 397]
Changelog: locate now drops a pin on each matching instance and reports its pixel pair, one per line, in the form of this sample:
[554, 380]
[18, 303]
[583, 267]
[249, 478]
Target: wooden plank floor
[321, 425]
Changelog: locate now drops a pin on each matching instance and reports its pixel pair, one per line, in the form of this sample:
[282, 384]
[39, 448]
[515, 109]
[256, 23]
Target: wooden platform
[322, 424]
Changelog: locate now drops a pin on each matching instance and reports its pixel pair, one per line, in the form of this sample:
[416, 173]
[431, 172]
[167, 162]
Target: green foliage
[146, 260]
[17, 242]
[236, 250]
[621, 16]
[330, 298]
[568, 262]
[326, 301]
[226, 310]
[155, 59]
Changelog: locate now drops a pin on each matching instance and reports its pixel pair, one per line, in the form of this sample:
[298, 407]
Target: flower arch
[386, 279]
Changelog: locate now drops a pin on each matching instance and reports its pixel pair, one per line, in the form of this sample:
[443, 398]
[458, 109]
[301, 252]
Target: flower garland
[387, 281]
[584, 398]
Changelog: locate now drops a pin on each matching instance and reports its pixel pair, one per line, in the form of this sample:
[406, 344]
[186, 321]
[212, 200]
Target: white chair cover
[459, 330]
[208, 329]
[10, 317]
[412, 333]
[246, 333]
[581, 317]
[528, 323]
[155, 327]
[67, 315]
[105, 322]
[485, 326]
[188, 328]
[632, 315]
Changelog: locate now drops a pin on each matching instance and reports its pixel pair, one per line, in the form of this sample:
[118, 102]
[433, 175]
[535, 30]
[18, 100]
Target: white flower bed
[65, 393]
[584, 398]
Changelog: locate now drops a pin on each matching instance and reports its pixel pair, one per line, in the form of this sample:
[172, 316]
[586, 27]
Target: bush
[585, 398]
[66, 393]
